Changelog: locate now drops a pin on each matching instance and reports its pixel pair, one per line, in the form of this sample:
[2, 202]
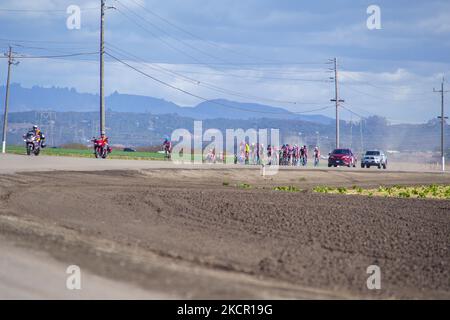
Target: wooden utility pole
[102, 51]
[336, 100]
[5, 115]
[442, 117]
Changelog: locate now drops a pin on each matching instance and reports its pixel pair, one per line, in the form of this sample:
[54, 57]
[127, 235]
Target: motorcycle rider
[103, 137]
[105, 141]
[40, 137]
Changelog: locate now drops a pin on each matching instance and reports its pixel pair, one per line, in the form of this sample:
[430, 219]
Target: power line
[186, 31]
[392, 89]
[219, 89]
[201, 83]
[222, 63]
[55, 56]
[380, 97]
[200, 97]
[41, 10]
[211, 43]
[170, 36]
[40, 41]
[50, 49]
[352, 112]
[249, 76]
[156, 36]
[369, 112]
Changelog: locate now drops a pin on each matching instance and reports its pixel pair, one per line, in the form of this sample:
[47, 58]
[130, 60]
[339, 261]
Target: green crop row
[424, 191]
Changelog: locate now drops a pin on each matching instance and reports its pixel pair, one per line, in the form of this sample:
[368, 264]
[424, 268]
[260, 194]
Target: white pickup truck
[374, 158]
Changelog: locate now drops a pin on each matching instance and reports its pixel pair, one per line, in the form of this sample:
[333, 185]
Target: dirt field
[184, 234]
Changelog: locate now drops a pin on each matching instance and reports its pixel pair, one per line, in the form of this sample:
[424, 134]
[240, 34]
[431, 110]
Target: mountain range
[59, 99]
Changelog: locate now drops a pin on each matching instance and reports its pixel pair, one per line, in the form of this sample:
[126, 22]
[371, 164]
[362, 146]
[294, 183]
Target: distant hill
[68, 99]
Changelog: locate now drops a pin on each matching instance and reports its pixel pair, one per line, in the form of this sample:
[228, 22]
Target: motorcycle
[101, 148]
[32, 144]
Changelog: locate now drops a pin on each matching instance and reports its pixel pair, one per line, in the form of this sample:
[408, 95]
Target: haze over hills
[68, 99]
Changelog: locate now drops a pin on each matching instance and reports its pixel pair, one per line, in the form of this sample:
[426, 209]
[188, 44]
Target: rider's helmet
[35, 127]
[102, 134]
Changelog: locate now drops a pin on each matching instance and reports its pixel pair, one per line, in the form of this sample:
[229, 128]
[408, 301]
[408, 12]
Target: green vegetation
[287, 188]
[89, 153]
[322, 189]
[342, 190]
[425, 191]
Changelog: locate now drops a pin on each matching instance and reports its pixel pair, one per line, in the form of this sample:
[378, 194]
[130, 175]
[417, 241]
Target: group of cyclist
[286, 155]
[296, 155]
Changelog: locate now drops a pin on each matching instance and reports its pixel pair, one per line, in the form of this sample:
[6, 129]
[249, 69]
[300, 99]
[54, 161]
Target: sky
[274, 52]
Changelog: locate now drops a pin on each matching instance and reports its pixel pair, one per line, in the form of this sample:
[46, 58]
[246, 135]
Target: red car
[342, 157]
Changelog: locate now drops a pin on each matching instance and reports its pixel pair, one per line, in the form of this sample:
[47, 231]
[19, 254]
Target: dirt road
[195, 234]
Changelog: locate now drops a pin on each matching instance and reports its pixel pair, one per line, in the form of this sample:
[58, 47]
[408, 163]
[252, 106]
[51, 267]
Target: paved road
[11, 163]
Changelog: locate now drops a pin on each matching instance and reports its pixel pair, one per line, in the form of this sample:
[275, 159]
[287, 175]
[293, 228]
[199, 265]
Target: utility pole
[5, 115]
[102, 51]
[361, 134]
[103, 7]
[442, 117]
[351, 132]
[336, 99]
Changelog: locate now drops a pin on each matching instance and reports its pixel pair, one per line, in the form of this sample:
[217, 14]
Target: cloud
[439, 24]
[403, 60]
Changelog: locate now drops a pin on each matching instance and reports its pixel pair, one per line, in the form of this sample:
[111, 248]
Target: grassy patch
[421, 192]
[89, 153]
[244, 186]
[323, 189]
[287, 188]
